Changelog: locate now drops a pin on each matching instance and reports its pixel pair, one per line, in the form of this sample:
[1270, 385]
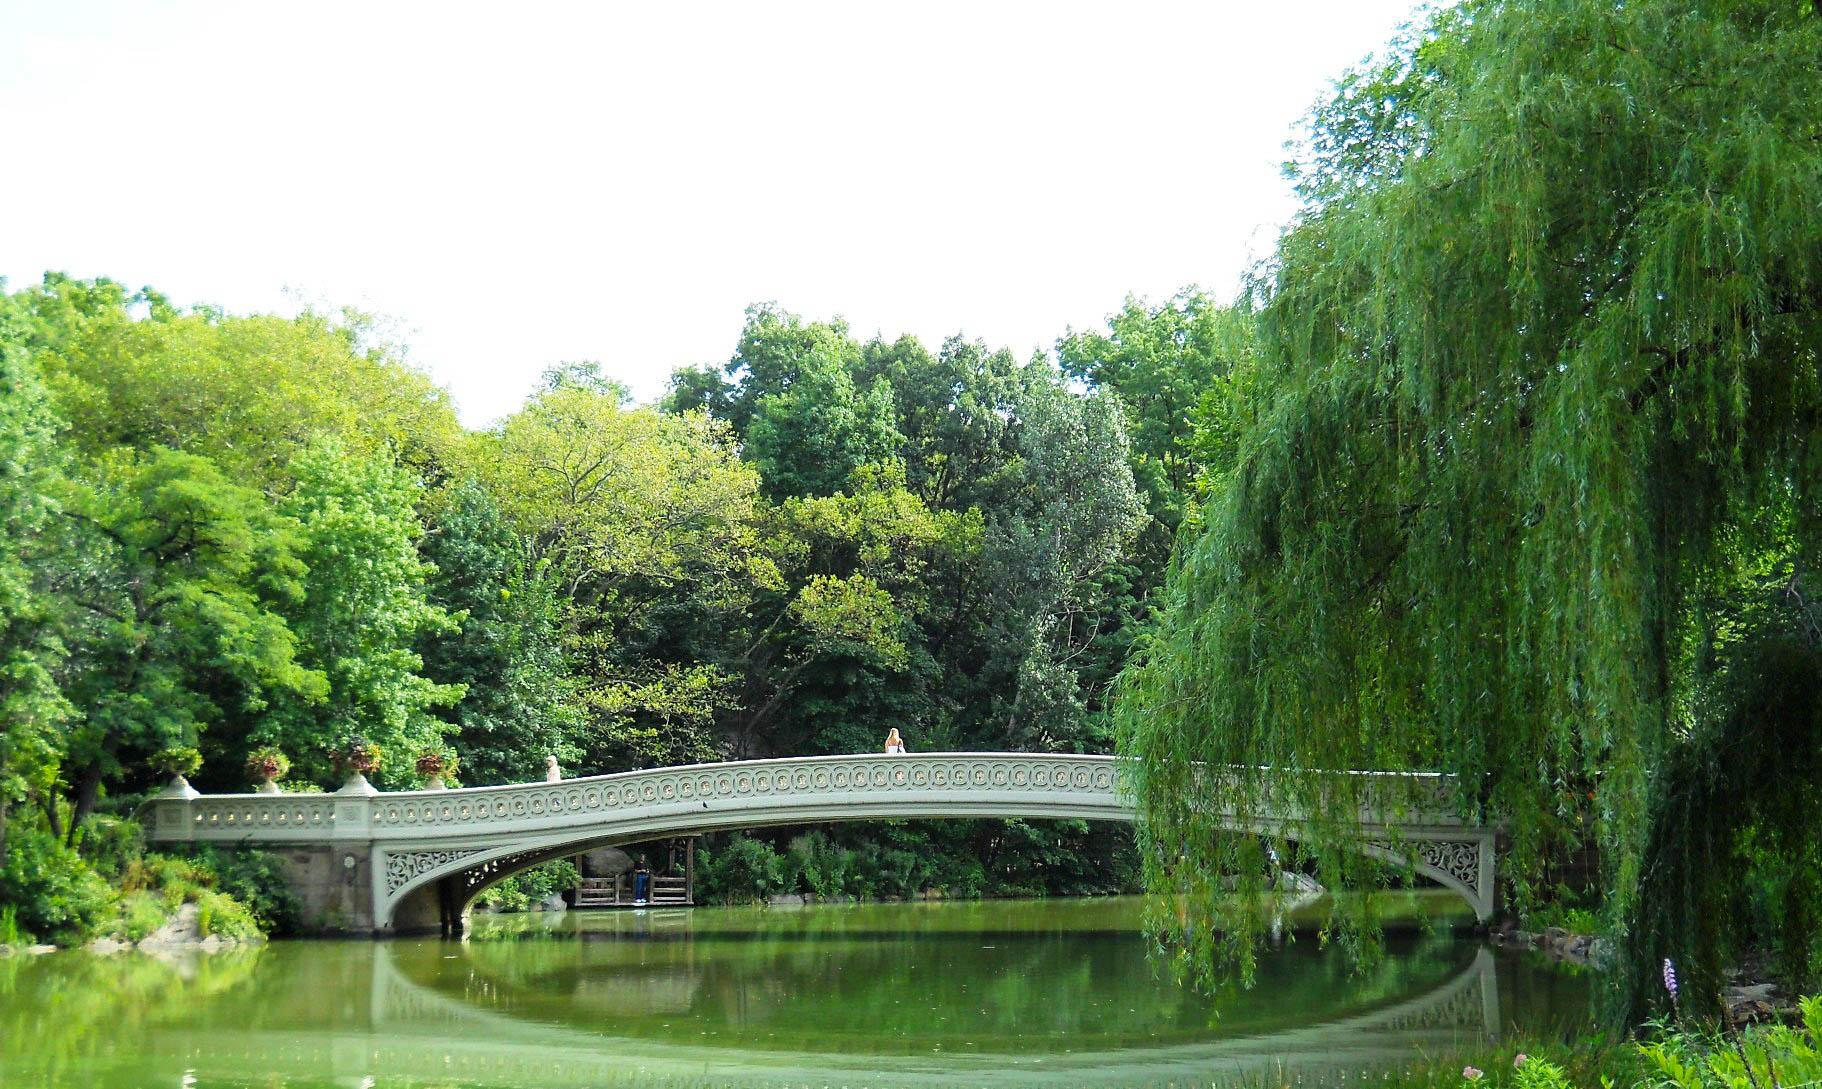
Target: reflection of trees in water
[798, 977]
[400, 1010]
[61, 1014]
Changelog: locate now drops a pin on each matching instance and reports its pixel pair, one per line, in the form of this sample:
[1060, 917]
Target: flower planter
[357, 784]
[179, 787]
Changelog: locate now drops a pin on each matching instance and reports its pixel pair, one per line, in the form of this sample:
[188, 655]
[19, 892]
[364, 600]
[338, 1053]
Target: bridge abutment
[334, 882]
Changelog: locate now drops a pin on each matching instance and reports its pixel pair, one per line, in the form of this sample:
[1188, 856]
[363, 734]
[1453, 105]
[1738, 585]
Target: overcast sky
[517, 184]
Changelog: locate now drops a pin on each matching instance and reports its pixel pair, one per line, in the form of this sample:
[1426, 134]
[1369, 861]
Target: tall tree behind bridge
[31, 705]
[1533, 493]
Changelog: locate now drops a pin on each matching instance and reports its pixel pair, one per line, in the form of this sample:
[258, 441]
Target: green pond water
[1056, 993]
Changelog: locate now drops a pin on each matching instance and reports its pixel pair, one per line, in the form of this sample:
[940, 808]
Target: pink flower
[1472, 1073]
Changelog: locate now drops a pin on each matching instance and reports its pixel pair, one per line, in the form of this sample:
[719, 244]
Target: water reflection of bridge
[421, 1032]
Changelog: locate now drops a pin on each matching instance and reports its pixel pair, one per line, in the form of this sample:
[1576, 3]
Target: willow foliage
[1533, 480]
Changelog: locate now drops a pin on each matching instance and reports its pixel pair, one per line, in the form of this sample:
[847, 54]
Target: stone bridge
[411, 861]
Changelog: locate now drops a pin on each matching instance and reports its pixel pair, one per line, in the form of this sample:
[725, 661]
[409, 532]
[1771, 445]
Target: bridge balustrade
[401, 845]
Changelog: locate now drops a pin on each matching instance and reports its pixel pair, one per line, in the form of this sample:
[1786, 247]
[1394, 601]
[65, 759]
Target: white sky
[517, 184]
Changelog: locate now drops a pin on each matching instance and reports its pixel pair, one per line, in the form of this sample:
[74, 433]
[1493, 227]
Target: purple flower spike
[1670, 978]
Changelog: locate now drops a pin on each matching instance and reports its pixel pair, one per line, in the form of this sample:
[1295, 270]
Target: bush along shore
[1681, 1052]
[106, 892]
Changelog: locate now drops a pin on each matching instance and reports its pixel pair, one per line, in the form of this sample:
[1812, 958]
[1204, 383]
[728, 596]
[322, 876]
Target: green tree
[650, 522]
[955, 410]
[178, 582]
[363, 611]
[1543, 356]
[32, 707]
[129, 370]
[1164, 362]
[809, 439]
[508, 650]
[835, 650]
[1076, 511]
[775, 351]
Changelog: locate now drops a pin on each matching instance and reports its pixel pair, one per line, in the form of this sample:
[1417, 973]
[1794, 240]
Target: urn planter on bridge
[268, 765]
[179, 788]
[358, 784]
[433, 765]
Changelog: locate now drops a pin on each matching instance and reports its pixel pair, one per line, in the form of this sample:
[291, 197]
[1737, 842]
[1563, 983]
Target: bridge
[412, 861]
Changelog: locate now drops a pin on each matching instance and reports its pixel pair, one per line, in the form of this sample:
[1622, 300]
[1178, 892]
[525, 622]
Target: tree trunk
[88, 792]
[51, 816]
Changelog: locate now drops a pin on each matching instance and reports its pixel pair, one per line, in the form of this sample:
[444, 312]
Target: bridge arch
[428, 847]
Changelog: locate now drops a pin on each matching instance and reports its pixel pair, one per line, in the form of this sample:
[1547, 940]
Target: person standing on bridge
[552, 773]
[894, 743]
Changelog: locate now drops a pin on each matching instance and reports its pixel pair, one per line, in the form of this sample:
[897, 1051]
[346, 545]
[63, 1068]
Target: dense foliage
[228, 535]
[1526, 485]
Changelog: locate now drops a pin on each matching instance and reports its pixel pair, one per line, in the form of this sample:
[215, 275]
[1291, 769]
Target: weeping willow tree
[1530, 491]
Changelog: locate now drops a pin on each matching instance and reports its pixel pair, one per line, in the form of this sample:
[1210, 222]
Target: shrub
[527, 887]
[225, 917]
[139, 914]
[257, 881]
[110, 844]
[57, 896]
[824, 866]
[745, 870]
[965, 878]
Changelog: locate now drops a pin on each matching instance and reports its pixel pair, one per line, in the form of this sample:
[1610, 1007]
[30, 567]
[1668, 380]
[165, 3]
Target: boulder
[183, 928]
[109, 946]
[604, 862]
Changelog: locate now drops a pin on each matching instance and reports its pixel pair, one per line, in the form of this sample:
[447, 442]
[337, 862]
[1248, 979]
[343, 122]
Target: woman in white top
[893, 742]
